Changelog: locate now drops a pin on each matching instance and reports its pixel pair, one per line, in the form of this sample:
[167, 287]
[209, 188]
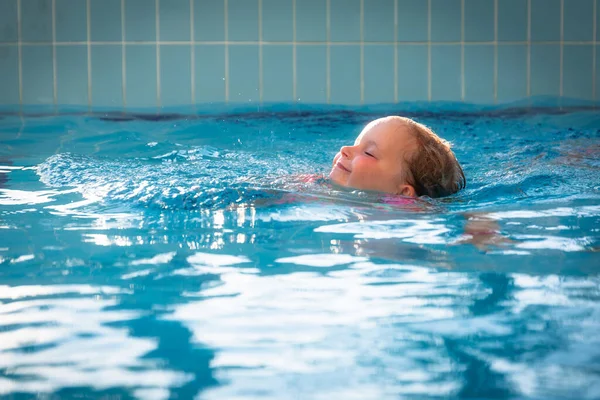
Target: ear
[407, 190]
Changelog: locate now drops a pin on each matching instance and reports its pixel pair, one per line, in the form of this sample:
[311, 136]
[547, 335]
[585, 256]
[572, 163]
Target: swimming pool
[152, 257]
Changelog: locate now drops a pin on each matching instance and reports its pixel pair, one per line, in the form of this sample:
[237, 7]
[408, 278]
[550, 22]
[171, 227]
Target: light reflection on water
[49, 343]
[161, 263]
[395, 330]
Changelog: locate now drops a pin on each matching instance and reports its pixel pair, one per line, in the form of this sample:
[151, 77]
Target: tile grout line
[594, 55]
[429, 50]
[298, 43]
[19, 54]
[123, 57]
[528, 48]
[328, 52]
[260, 53]
[54, 72]
[495, 51]
[89, 52]
[562, 31]
[226, 28]
[462, 50]
[192, 56]
[395, 51]
[362, 51]
[294, 55]
[157, 23]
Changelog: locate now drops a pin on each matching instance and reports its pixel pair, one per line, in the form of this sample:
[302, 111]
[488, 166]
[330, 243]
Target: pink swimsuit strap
[397, 200]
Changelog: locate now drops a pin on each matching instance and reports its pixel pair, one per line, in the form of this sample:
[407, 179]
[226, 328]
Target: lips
[340, 166]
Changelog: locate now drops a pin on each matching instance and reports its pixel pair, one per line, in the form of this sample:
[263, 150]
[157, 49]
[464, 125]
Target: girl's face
[377, 160]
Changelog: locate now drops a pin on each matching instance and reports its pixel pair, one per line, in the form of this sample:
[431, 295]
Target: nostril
[345, 151]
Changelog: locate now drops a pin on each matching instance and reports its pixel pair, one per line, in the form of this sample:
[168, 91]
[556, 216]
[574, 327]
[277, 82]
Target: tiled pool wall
[156, 53]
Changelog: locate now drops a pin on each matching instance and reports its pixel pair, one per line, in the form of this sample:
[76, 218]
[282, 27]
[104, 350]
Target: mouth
[340, 166]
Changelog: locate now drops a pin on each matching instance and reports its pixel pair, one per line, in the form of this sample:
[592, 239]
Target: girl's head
[400, 156]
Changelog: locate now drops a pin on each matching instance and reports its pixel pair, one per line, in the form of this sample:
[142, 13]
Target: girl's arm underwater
[482, 232]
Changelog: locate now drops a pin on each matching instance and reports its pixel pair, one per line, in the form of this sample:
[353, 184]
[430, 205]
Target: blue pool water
[178, 257]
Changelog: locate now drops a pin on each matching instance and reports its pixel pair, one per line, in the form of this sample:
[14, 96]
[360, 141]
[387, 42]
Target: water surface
[155, 257]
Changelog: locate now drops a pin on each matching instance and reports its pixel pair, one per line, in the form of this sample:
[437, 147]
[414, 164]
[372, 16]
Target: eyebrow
[372, 142]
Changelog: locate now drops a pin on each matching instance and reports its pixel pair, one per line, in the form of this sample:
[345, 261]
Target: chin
[334, 177]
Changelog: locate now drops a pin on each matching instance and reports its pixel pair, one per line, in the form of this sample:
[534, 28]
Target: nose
[346, 151]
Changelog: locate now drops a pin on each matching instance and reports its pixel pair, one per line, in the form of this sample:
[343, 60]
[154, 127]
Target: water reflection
[277, 333]
[393, 330]
[421, 231]
[210, 263]
[76, 340]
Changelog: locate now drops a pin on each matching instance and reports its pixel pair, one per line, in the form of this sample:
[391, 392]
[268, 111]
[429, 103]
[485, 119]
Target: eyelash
[369, 154]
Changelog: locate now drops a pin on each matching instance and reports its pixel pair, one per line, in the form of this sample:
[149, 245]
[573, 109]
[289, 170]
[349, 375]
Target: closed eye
[369, 154]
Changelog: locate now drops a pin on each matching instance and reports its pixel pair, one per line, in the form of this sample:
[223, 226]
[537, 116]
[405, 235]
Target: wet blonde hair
[433, 169]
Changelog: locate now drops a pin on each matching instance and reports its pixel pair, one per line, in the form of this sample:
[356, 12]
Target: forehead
[392, 136]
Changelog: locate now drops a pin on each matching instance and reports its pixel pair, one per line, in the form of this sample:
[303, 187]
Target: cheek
[364, 165]
[336, 158]
[368, 173]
